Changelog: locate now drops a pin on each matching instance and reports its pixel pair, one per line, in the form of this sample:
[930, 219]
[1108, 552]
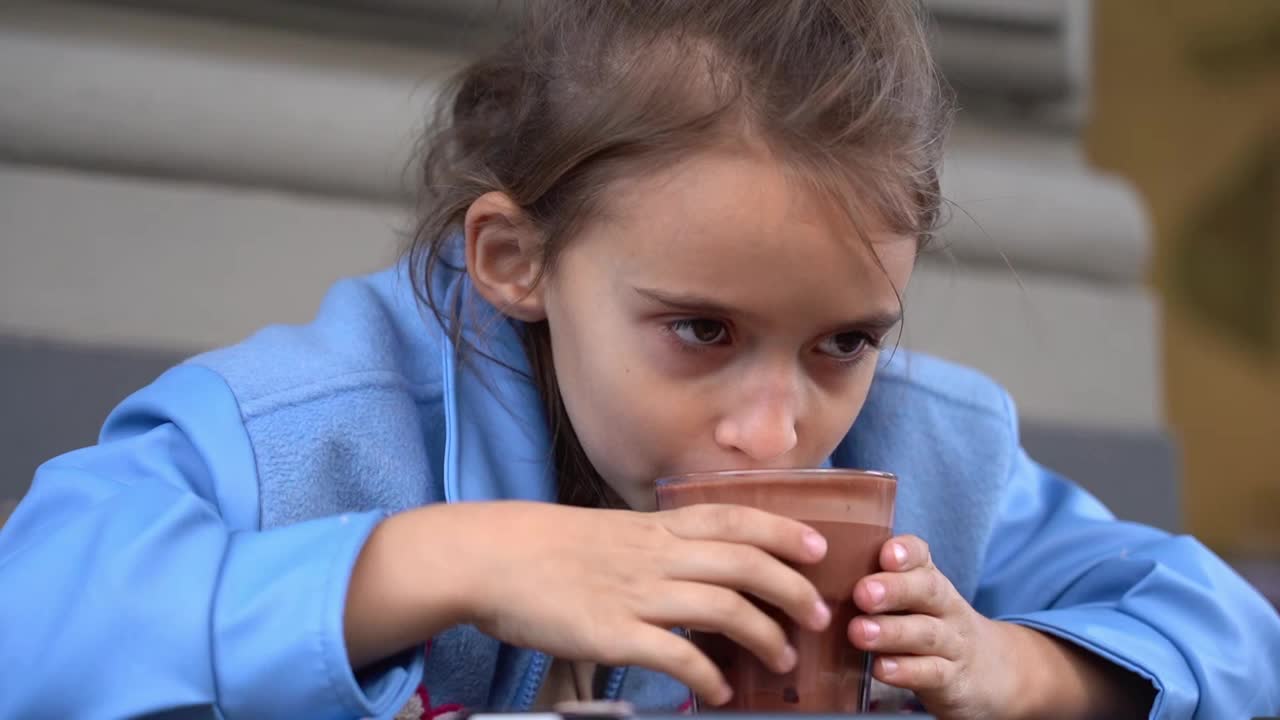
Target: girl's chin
[639, 495]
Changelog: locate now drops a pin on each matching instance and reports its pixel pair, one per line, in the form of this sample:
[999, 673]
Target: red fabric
[424, 695]
[436, 712]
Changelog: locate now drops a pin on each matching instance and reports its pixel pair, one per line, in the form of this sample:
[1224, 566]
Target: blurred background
[177, 173]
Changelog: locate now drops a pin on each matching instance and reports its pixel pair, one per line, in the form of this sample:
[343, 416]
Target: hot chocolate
[854, 511]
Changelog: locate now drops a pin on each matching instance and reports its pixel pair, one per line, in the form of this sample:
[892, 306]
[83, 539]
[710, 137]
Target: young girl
[657, 237]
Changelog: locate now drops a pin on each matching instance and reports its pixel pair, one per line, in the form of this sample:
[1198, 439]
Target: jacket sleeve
[1162, 606]
[134, 579]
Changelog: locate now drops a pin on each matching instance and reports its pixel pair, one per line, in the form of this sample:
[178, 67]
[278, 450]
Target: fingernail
[889, 666]
[816, 543]
[788, 659]
[875, 591]
[899, 553]
[821, 615]
[870, 630]
[726, 694]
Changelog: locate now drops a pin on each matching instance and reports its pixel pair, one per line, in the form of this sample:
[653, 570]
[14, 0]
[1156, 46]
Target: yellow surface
[1186, 105]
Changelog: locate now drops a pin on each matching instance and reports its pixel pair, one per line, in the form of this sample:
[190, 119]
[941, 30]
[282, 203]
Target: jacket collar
[497, 444]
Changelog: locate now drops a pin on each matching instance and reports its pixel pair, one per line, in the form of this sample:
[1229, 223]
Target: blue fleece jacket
[196, 560]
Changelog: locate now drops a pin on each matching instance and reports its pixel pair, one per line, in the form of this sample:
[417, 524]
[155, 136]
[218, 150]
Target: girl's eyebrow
[881, 320]
[687, 302]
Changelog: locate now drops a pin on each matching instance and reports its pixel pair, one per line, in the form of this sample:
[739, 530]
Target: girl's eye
[845, 345]
[700, 331]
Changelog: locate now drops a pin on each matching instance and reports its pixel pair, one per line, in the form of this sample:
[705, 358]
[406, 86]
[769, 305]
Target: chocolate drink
[854, 512]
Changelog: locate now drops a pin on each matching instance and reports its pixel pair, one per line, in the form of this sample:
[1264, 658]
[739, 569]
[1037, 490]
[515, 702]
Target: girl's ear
[504, 256]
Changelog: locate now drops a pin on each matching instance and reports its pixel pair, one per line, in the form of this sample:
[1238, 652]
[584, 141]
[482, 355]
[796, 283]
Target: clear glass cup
[853, 509]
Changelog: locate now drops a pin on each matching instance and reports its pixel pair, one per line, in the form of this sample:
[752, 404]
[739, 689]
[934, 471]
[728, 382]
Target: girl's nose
[763, 426]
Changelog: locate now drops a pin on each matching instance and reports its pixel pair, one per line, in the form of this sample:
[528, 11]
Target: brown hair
[844, 90]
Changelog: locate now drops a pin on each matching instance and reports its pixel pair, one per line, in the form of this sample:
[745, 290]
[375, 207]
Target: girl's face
[718, 315]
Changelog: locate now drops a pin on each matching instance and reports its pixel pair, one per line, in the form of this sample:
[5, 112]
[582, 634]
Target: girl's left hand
[927, 637]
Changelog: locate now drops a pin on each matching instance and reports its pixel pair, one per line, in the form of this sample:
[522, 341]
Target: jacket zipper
[616, 677]
[532, 681]
[537, 673]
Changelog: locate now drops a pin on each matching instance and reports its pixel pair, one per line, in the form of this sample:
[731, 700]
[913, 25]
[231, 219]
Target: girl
[657, 237]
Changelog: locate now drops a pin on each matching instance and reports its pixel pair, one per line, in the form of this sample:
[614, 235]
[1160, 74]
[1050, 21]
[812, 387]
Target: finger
[905, 552]
[914, 672]
[666, 652]
[786, 538]
[905, 635]
[922, 590]
[710, 608]
[752, 570]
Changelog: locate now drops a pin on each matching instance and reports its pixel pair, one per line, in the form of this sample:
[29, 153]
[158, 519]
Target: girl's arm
[1163, 608]
[408, 583]
[134, 579]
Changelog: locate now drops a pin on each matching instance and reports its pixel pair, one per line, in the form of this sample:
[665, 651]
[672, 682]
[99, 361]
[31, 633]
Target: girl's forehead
[727, 207]
[737, 231]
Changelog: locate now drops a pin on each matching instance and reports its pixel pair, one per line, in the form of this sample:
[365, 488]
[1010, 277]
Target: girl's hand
[963, 665]
[607, 585]
[928, 639]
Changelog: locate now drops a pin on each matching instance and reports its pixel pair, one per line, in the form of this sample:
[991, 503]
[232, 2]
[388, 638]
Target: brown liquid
[831, 676]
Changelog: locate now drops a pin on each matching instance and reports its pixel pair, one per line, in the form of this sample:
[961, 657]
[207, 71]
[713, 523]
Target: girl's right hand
[607, 585]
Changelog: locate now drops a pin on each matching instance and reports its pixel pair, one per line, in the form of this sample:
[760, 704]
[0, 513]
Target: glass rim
[773, 473]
